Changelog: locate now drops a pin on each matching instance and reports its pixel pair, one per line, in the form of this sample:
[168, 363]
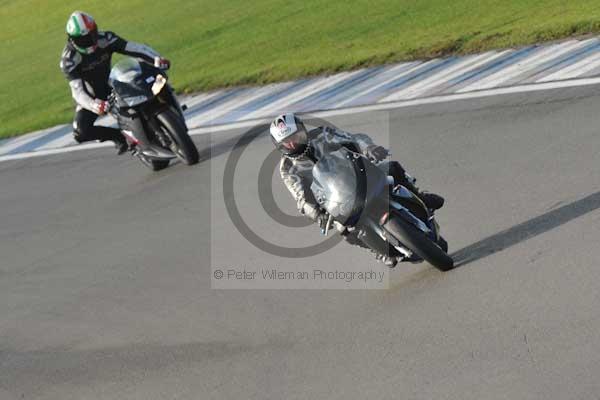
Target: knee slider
[79, 134]
[76, 132]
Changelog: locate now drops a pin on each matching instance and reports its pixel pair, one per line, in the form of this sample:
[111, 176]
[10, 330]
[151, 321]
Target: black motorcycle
[149, 115]
[388, 218]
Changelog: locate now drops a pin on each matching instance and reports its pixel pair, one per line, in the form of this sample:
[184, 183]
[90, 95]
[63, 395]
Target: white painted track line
[230, 105]
[394, 77]
[527, 64]
[396, 84]
[573, 71]
[21, 141]
[445, 75]
[343, 111]
[281, 104]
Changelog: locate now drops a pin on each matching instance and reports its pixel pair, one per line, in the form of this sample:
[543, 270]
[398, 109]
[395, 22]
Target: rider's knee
[81, 133]
[76, 132]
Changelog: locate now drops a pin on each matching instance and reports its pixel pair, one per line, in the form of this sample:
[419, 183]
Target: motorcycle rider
[301, 149]
[85, 63]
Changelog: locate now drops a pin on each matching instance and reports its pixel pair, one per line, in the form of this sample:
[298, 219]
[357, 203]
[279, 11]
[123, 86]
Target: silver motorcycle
[358, 196]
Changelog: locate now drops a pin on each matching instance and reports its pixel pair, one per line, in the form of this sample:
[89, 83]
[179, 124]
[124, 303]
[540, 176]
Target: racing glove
[377, 152]
[162, 63]
[100, 106]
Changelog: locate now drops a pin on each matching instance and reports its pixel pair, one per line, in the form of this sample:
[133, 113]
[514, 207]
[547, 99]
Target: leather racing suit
[296, 171]
[87, 75]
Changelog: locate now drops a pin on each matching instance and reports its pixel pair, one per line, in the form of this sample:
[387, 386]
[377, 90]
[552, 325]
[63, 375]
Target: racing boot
[121, 147]
[103, 134]
[432, 201]
[119, 141]
[386, 260]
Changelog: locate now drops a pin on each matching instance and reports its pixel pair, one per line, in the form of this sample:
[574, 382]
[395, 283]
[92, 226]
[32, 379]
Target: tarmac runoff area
[106, 272]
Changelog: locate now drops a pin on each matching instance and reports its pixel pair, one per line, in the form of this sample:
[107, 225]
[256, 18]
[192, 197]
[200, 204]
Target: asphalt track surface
[105, 271]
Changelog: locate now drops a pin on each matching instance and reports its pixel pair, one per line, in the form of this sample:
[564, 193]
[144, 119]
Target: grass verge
[236, 42]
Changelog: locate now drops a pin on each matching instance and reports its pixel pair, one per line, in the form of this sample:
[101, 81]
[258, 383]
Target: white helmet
[289, 134]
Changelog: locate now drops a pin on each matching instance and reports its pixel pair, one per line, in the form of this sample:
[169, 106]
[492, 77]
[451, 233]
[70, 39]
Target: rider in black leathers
[85, 63]
[301, 150]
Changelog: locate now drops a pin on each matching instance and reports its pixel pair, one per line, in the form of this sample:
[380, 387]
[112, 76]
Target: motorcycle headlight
[158, 84]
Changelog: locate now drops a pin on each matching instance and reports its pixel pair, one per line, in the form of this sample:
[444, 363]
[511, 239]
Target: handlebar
[376, 161]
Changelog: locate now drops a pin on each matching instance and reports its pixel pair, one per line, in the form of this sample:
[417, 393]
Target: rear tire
[157, 165]
[420, 244]
[154, 165]
[177, 131]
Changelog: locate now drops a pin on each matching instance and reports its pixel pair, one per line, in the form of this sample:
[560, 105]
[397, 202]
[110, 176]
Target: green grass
[237, 42]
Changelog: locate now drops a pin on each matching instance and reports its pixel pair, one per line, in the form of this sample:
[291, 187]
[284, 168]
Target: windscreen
[126, 71]
[128, 81]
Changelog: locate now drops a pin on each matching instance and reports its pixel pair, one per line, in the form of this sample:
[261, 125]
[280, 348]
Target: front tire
[443, 244]
[177, 131]
[419, 243]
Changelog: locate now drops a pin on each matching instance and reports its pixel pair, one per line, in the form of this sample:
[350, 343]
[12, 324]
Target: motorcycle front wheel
[419, 243]
[177, 131]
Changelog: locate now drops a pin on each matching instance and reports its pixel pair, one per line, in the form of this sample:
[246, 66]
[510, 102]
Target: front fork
[171, 99]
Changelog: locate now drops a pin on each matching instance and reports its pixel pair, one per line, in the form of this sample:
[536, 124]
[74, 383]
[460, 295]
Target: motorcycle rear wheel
[154, 165]
[419, 243]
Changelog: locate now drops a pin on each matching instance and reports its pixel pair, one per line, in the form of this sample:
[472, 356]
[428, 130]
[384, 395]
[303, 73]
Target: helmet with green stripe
[82, 32]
